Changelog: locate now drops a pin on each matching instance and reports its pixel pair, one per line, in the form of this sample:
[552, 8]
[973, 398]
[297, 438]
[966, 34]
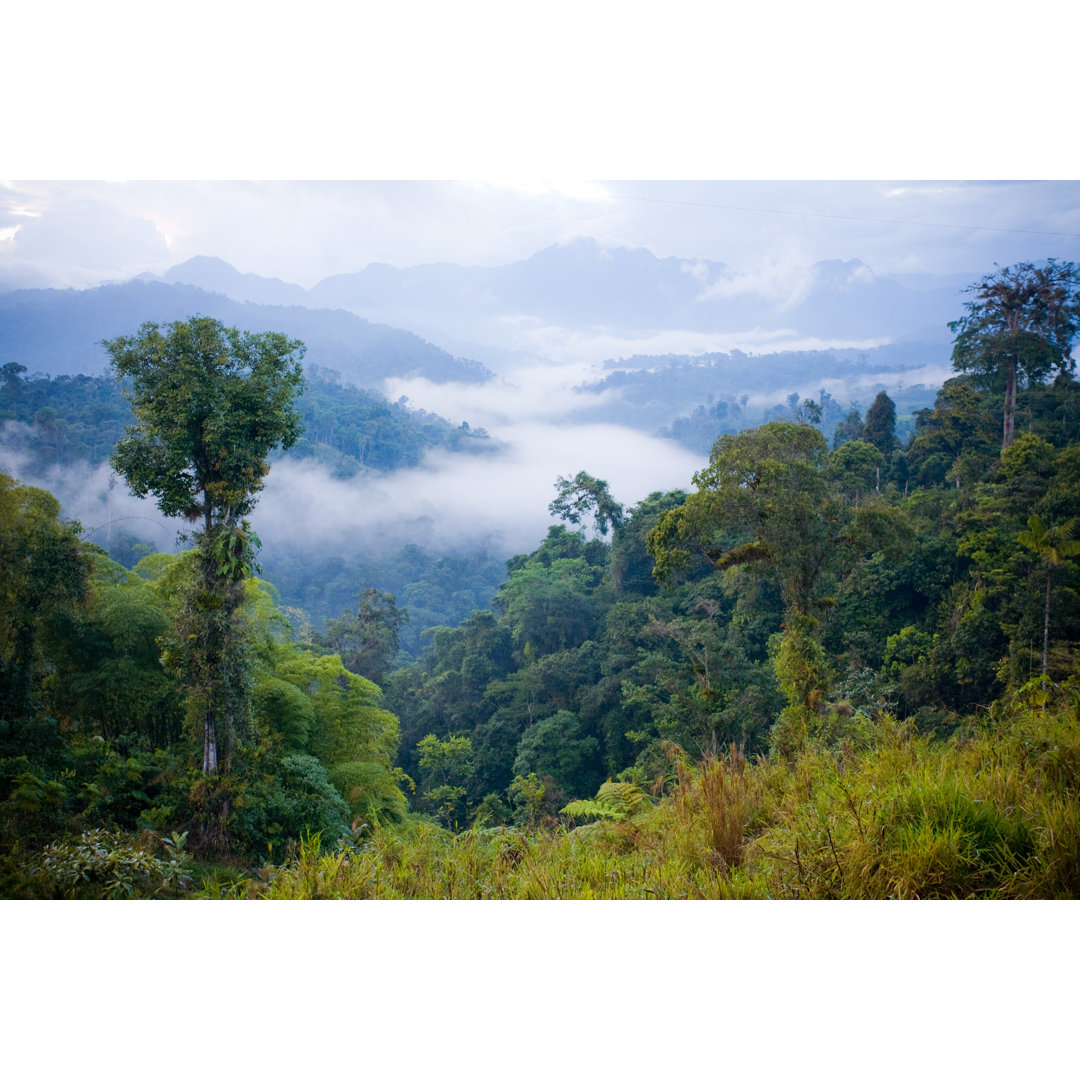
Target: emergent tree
[210, 403]
[584, 495]
[1019, 327]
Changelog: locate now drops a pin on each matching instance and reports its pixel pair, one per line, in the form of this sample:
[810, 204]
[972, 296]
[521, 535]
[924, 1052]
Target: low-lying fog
[449, 501]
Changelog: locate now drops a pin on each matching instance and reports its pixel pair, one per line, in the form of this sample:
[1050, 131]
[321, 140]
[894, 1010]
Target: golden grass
[892, 814]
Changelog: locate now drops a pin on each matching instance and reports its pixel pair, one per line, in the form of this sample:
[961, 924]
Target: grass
[887, 813]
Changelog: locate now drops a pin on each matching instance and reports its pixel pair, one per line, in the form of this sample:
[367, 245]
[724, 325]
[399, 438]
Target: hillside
[830, 664]
[57, 332]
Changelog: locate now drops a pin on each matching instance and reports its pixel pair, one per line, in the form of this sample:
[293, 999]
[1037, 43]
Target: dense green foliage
[99, 741]
[1019, 328]
[883, 814]
[803, 586]
[838, 667]
[434, 588]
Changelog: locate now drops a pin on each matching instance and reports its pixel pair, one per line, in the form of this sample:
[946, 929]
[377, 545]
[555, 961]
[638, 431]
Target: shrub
[100, 864]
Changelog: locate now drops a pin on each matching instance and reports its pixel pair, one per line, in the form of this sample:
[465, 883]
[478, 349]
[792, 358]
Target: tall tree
[44, 577]
[851, 427]
[368, 641]
[880, 426]
[210, 403]
[582, 495]
[1020, 326]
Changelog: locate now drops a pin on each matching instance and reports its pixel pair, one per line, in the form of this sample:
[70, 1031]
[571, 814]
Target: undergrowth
[878, 812]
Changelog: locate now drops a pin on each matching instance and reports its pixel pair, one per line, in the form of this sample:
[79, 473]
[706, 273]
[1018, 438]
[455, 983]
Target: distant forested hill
[75, 418]
[58, 331]
[659, 394]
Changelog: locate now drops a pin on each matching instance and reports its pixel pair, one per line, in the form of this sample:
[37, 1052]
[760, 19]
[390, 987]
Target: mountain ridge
[583, 285]
[60, 331]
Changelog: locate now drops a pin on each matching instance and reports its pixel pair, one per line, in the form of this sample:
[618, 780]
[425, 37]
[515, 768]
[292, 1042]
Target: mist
[457, 501]
[449, 502]
[97, 498]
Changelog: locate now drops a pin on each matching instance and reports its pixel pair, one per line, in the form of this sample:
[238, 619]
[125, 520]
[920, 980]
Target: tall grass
[886, 813]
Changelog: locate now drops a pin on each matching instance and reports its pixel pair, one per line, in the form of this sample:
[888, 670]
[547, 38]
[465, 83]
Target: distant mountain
[651, 392]
[579, 284]
[58, 331]
[583, 285]
[497, 314]
[847, 298]
[216, 275]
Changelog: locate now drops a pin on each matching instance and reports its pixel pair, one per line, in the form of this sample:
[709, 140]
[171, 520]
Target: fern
[586, 808]
[613, 802]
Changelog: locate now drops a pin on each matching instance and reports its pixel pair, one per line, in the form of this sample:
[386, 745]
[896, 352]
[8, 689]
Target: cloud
[852, 387]
[590, 347]
[698, 270]
[540, 392]
[305, 231]
[456, 499]
[450, 501]
[783, 279]
[94, 496]
[80, 242]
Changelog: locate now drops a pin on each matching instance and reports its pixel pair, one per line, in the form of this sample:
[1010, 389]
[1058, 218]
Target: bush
[104, 865]
[300, 801]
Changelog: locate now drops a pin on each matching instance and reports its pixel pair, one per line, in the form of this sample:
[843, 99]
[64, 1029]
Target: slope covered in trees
[64, 420]
[831, 668]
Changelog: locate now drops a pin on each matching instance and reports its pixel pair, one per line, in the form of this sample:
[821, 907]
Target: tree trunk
[210, 761]
[1010, 408]
[1046, 621]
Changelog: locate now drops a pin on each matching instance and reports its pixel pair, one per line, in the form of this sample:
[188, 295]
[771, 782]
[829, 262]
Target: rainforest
[840, 662]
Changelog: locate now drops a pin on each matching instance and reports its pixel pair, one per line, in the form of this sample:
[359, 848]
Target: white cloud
[454, 499]
[450, 500]
[783, 279]
[851, 387]
[305, 231]
[541, 392]
[564, 346]
[697, 270]
[97, 498]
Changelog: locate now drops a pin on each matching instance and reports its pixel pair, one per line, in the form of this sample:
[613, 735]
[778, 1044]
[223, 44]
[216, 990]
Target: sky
[85, 233]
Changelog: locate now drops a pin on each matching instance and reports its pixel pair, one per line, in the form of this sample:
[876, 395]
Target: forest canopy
[842, 662]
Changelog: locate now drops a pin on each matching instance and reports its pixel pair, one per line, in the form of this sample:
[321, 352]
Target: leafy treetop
[1020, 326]
[210, 403]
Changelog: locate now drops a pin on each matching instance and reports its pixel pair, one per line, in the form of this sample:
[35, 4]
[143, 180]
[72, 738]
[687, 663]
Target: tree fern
[613, 802]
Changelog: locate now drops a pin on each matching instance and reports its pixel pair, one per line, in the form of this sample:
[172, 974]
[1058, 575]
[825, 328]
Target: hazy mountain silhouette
[629, 290]
[216, 275]
[58, 331]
